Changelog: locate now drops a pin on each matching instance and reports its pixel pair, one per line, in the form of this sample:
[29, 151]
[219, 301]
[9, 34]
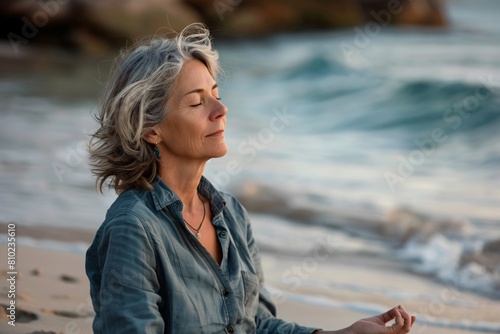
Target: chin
[220, 152]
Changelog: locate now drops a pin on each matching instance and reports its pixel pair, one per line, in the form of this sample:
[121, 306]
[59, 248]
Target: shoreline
[47, 232]
[52, 290]
[370, 285]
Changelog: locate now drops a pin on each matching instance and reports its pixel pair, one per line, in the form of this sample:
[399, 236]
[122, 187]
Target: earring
[157, 151]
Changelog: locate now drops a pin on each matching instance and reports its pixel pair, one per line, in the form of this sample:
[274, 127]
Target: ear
[153, 137]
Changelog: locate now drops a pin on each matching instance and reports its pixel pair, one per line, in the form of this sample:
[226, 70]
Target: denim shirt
[149, 274]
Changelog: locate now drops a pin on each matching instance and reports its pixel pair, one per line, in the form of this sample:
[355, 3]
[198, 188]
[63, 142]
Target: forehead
[194, 75]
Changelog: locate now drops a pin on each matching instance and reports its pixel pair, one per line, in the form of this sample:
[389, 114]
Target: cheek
[185, 134]
[178, 125]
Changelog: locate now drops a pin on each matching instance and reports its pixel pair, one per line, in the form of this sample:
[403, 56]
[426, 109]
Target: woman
[175, 255]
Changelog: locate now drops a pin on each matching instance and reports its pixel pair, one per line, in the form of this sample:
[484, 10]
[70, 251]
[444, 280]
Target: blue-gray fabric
[149, 274]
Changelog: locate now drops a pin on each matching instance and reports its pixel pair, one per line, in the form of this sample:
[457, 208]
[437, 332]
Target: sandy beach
[52, 291]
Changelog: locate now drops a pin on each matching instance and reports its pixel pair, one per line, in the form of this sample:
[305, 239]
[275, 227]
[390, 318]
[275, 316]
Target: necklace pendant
[198, 235]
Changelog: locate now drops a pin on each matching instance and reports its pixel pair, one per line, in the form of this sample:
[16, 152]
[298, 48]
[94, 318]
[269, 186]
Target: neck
[183, 178]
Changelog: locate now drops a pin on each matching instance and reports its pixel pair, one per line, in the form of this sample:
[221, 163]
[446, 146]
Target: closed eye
[199, 104]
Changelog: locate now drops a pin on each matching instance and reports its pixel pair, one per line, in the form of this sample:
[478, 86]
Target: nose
[219, 110]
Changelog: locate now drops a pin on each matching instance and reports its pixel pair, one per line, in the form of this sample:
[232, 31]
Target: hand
[376, 324]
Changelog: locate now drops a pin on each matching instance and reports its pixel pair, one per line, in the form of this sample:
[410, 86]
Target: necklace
[197, 230]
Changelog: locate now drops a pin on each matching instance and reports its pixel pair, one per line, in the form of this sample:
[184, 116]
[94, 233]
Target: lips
[216, 133]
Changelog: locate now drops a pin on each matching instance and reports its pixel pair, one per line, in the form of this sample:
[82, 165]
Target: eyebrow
[199, 90]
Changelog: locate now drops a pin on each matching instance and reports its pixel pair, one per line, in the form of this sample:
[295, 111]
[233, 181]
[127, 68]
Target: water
[395, 146]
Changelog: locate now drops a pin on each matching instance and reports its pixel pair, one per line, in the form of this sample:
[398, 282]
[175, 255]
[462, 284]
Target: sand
[52, 293]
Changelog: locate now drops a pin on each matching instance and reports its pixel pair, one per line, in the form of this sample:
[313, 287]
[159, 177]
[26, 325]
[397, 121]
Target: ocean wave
[435, 98]
[461, 263]
[421, 105]
[450, 249]
[434, 91]
[314, 67]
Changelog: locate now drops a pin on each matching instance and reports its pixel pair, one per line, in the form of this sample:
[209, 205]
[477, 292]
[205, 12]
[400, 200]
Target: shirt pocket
[251, 288]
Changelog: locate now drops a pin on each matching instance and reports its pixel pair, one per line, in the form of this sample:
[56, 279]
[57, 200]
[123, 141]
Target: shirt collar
[163, 196]
[215, 198]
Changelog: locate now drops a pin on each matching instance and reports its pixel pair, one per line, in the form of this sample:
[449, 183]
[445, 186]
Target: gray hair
[134, 102]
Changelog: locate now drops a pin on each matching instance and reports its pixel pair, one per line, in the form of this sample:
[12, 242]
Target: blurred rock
[137, 19]
[234, 18]
[68, 278]
[37, 272]
[262, 17]
[490, 261]
[99, 26]
[422, 12]
[492, 246]
[403, 224]
[404, 12]
[89, 26]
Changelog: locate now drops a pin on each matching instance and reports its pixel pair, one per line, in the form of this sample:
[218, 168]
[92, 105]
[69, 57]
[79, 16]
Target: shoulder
[135, 202]
[133, 206]
[129, 215]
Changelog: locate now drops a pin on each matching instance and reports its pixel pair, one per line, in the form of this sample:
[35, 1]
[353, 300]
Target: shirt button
[230, 329]
[222, 234]
[225, 293]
